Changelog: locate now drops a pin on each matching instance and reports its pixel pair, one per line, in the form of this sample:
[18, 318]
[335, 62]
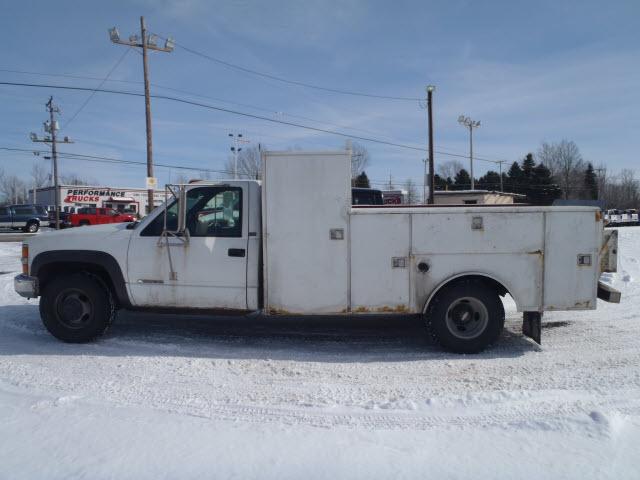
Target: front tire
[466, 317]
[77, 308]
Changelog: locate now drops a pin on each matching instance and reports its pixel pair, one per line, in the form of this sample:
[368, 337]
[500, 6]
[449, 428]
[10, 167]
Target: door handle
[236, 252]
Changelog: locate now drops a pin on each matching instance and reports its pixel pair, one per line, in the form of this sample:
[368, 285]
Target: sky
[529, 71]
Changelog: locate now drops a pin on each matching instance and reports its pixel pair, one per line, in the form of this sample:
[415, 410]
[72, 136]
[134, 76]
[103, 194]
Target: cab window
[211, 212]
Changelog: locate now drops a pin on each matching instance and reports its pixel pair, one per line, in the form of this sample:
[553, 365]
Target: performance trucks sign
[90, 195]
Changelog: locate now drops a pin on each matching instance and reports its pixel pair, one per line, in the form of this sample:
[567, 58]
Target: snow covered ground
[192, 397]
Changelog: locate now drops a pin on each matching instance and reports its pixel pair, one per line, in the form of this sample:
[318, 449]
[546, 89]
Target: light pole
[470, 124]
[235, 149]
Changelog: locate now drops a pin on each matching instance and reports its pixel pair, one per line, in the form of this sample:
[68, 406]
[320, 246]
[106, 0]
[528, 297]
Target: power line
[290, 82]
[194, 94]
[84, 104]
[220, 109]
[243, 114]
[79, 156]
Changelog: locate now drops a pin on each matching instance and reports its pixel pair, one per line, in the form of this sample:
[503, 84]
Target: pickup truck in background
[97, 216]
[293, 244]
[23, 217]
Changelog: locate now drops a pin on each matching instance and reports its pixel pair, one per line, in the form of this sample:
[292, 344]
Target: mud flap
[532, 326]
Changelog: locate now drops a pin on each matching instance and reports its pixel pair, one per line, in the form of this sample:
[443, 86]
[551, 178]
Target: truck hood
[88, 231]
[105, 238]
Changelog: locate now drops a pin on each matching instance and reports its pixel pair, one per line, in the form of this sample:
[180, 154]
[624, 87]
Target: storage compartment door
[306, 199]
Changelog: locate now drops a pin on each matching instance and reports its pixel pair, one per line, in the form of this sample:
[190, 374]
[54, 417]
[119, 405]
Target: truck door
[5, 217]
[210, 269]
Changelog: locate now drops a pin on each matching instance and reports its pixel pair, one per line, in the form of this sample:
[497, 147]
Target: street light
[236, 149]
[470, 124]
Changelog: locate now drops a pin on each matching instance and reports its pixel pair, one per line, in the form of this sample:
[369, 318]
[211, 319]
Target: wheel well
[49, 271]
[491, 282]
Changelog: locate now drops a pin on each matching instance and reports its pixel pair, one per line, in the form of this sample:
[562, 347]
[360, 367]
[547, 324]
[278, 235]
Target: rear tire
[32, 227]
[77, 308]
[84, 223]
[466, 316]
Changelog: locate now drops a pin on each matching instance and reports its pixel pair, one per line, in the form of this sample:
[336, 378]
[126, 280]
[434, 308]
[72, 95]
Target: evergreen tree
[362, 181]
[515, 179]
[543, 190]
[490, 181]
[462, 181]
[528, 164]
[590, 183]
[440, 183]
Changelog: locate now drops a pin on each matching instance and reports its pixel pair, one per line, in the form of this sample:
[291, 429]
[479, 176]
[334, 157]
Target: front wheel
[77, 307]
[466, 317]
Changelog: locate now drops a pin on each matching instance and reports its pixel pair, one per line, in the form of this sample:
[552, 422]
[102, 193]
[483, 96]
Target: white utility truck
[294, 245]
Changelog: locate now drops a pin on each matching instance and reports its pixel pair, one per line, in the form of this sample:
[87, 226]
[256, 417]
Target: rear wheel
[466, 317]
[32, 227]
[77, 307]
[84, 223]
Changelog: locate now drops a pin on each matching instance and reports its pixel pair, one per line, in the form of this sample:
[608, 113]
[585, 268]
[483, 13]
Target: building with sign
[126, 199]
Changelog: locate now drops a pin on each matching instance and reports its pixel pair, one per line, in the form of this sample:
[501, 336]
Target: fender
[466, 274]
[87, 259]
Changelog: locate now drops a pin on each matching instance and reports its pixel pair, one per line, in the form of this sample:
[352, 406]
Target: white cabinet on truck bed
[305, 219]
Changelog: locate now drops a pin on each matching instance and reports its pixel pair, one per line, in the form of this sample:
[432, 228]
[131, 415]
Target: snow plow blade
[608, 293]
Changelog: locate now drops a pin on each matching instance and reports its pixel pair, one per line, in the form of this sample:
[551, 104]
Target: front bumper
[608, 293]
[26, 286]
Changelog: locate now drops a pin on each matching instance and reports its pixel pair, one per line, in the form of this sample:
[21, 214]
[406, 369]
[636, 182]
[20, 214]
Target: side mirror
[182, 209]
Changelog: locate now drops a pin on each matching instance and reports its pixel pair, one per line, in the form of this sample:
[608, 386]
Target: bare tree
[249, 164]
[13, 189]
[75, 179]
[39, 178]
[180, 179]
[412, 191]
[564, 161]
[449, 169]
[359, 158]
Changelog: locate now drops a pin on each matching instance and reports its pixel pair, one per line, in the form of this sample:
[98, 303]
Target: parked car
[63, 217]
[98, 216]
[366, 196]
[23, 217]
[631, 216]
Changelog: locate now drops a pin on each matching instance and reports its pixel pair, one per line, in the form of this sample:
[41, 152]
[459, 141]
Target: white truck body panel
[304, 197]
[531, 251]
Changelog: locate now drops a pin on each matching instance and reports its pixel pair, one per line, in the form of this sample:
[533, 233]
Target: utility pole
[430, 90]
[425, 181]
[470, 124]
[500, 162]
[146, 42]
[50, 127]
[236, 149]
